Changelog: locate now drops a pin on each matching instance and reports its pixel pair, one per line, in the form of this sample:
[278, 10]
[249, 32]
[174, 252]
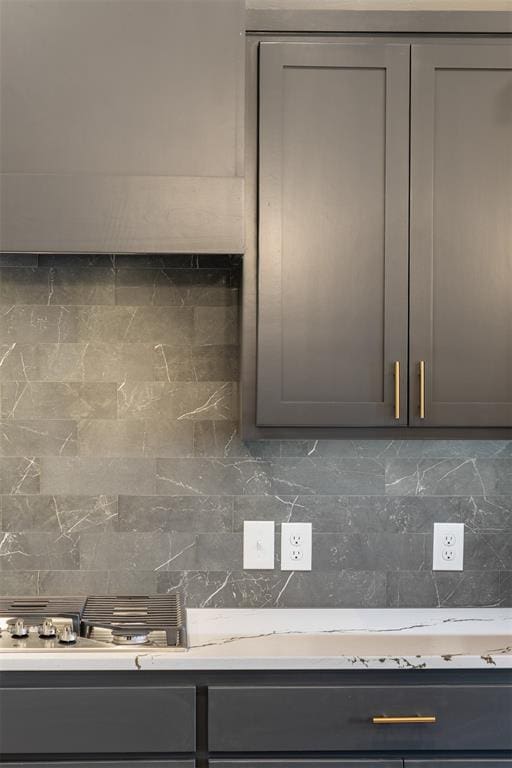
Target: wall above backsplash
[121, 469]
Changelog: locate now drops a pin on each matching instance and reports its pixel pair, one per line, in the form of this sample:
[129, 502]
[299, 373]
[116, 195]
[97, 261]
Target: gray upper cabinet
[384, 237]
[333, 260]
[121, 125]
[461, 234]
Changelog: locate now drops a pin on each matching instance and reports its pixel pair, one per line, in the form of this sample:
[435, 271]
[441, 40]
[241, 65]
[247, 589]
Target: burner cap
[125, 638]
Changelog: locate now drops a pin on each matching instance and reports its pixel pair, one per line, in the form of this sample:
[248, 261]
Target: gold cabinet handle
[411, 720]
[397, 389]
[422, 389]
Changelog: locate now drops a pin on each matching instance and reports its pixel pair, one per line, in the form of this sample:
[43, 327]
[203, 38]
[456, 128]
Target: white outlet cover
[454, 534]
[259, 545]
[291, 533]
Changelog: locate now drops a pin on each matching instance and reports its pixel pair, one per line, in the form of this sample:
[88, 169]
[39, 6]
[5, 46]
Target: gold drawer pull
[413, 719]
[422, 389]
[397, 389]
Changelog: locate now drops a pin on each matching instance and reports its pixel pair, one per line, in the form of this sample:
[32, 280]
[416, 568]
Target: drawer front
[100, 720]
[362, 763]
[106, 764]
[264, 719]
[467, 762]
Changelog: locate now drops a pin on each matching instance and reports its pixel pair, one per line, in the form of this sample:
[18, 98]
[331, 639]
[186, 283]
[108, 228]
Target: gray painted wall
[121, 470]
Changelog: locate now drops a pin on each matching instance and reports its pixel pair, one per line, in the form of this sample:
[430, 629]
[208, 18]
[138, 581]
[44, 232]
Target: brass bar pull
[397, 389]
[422, 389]
[412, 720]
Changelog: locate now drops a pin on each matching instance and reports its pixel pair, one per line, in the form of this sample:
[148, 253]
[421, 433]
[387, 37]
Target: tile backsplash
[121, 469]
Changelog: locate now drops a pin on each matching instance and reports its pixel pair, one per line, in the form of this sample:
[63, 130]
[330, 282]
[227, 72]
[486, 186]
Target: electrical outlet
[259, 544]
[448, 551]
[296, 539]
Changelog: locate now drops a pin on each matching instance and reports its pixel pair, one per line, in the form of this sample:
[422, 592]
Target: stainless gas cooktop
[99, 622]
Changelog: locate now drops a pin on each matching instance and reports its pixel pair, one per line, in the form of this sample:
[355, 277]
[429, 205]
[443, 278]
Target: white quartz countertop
[240, 639]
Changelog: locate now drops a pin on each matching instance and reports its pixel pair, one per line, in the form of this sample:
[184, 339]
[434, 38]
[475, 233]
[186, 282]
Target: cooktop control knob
[18, 629]
[47, 629]
[67, 635]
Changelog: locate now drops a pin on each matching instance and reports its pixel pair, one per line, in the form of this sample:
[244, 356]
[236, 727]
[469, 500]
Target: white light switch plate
[296, 541]
[448, 551]
[259, 544]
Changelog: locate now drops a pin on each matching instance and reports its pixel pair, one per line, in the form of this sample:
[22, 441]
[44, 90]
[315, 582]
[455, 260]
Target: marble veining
[310, 639]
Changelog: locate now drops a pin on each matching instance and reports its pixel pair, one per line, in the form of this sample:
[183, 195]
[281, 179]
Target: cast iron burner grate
[132, 619]
[37, 609]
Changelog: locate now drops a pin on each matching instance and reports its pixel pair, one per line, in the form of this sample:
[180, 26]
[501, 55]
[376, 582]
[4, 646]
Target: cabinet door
[121, 125]
[461, 234]
[333, 207]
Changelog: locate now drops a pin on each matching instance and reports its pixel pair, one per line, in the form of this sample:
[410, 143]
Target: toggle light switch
[259, 544]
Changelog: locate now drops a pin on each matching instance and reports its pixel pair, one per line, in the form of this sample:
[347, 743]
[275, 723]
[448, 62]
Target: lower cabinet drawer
[362, 763]
[97, 720]
[467, 762]
[296, 718]
[107, 764]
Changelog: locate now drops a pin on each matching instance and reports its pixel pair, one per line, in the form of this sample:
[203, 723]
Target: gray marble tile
[18, 362]
[55, 285]
[426, 589]
[372, 514]
[74, 260]
[215, 363]
[448, 477]
[263, 589]
[218, 439]
[58, 400]
[487, 551]
[204, 551]
[60, 515]
[170, 287]
[186, 514]
[140, 261]
[131, 582]
[135, 437]
[18, 583]
[34, 551]
[40, 437]
[506, 589]
[216, 325]
[178, 400]
[18, 260]
[94, 476]
[19, 475]
[62, 582]
[135, 324]
[212, 477]
[124, 551]
[34, 324]
[179, 261]
[458, 449]
[369, 552]
[328, 476]
[95, 361]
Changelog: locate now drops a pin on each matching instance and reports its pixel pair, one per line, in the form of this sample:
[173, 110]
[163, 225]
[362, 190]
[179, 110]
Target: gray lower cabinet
[332, 317]
[467, 762]
[121, 125]
[83, 720]
[107, 764]
[331, 718]
[461, 234]
[320, 763]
